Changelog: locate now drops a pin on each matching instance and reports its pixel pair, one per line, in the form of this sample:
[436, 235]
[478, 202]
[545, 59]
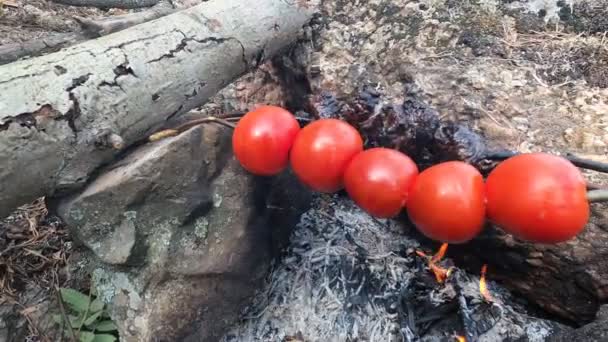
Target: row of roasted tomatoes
[536, 197]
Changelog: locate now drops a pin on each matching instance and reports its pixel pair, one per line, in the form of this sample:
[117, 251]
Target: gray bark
[127, 4]
[57, 111]
[35, 47]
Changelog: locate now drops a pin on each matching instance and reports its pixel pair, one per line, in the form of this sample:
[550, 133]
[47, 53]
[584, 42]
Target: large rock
[180, 233]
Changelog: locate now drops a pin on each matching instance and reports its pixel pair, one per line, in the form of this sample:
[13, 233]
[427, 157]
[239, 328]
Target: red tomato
[379, 179]
[321, 152]
[538, 197]
[262, 139]
[447, 203]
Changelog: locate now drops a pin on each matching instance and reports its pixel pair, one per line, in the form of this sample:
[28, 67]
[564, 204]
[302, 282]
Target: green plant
[84, 318]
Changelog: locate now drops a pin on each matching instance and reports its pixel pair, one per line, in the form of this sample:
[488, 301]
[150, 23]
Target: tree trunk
[60, 112]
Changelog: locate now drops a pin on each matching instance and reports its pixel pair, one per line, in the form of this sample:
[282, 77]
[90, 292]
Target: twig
[179, 129]
[64, 314]
[577, 161]
[600, 195]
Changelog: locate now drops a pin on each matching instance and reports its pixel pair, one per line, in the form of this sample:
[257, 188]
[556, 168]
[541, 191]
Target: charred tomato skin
[322, 151]
[538, 197]
[378, 181]
[447, 202]
[263, 138]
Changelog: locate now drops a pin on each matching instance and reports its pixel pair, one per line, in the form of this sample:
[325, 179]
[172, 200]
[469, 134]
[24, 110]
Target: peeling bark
[55, 109]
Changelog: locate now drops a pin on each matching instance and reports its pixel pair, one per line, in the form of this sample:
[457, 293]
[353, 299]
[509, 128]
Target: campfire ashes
[349, 277]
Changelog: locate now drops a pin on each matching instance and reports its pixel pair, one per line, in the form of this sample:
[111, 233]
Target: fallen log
[89, 29]
[61, 113]
[125, 4]
[35, 47]
[98, 28]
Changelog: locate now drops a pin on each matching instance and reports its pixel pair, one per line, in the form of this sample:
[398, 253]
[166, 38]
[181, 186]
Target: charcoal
[412, 127]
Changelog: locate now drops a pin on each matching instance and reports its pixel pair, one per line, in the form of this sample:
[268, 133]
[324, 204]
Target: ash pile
[350, 277]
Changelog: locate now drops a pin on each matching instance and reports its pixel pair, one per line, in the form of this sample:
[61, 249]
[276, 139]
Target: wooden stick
[577, 161]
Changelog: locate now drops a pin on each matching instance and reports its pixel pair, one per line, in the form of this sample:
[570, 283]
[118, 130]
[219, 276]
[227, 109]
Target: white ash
[346, 276]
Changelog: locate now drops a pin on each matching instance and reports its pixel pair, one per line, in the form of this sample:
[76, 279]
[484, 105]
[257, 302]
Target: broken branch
[98, 28]
[124, 4]
[89, 29]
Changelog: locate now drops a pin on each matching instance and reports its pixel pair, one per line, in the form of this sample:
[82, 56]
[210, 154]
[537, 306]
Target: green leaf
[86, 336]
[57, 318]
[76, 300]
[75, 321]
[96, 305]
[104, 338]
[92, 318]
[106, 326]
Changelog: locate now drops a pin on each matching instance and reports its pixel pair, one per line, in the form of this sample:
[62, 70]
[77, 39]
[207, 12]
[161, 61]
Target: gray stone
[181, 234]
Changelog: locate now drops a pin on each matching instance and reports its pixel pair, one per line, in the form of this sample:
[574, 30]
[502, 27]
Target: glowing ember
[441, 273]
[483, 287]
[461, 339]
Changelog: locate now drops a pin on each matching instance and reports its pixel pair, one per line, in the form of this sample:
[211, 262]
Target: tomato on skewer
[538, 197]
[262, 139]
[378, 180]
[447, 203]
[321, 152]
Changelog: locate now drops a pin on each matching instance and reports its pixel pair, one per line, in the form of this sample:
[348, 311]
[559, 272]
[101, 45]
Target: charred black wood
[411, 127]
[416, 129]
[468, 323]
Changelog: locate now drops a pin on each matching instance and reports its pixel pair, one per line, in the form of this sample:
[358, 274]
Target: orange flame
[440, 253]
[461, 339]
[441, 273]
[483, 287]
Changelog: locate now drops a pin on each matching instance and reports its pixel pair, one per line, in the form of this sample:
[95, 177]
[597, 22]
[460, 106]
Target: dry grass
[33, 247]
[561, 57]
